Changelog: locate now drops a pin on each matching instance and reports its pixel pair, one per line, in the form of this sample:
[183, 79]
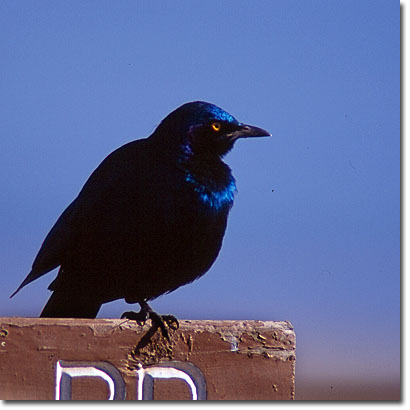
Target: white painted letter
[185, 371]
[65, 371]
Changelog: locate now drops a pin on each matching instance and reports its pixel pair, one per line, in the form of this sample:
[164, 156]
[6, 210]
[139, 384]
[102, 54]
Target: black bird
[150, 218]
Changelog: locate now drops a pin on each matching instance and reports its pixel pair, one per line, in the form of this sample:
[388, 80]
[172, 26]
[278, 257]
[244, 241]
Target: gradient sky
[314, 235]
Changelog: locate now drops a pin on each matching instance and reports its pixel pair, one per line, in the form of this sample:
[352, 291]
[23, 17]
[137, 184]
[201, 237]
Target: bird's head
[203, 128]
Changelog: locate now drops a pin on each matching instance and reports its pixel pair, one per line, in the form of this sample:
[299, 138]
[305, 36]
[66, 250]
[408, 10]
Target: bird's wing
[105, 179]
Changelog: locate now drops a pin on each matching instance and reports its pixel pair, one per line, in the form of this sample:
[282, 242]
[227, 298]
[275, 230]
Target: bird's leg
[158, 321]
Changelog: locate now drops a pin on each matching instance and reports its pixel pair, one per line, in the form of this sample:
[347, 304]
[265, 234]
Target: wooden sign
[100, 359]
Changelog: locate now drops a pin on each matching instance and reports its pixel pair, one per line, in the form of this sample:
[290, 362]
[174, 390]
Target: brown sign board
[99, 359]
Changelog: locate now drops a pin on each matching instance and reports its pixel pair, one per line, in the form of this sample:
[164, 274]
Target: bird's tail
[70, 304]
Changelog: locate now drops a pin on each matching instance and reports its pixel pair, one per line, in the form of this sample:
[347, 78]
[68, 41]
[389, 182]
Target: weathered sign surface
[99, 359]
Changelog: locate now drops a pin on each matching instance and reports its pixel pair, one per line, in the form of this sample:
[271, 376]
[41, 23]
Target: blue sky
[314, 235]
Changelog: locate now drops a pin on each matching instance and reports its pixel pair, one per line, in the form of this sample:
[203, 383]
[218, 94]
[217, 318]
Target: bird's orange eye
[216, 126]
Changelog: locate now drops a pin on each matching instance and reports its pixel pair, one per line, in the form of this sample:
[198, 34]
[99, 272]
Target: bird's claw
[171, 321]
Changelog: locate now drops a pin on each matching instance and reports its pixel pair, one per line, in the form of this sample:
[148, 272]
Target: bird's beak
[248, 131]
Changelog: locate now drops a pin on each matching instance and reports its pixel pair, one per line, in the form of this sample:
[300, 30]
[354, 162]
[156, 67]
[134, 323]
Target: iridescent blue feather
[214, 199]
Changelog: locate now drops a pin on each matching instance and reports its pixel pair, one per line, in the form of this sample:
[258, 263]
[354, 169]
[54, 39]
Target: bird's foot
[140, 317]
[164, 322]
[158, 321]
